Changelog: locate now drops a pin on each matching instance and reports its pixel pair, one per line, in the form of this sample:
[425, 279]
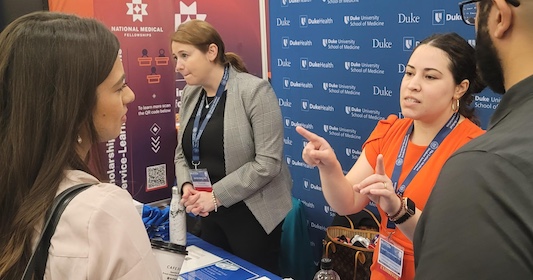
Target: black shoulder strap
[46, 6]
[37, 263]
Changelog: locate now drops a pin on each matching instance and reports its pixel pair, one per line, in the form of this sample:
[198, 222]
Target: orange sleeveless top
[386, 139]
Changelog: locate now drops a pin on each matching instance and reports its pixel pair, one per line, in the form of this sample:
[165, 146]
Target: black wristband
[410, 209]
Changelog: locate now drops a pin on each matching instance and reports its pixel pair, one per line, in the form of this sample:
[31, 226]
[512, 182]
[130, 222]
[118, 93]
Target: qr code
[156, 177]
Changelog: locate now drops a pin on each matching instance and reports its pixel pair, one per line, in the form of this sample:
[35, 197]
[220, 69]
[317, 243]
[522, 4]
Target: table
[200, 261]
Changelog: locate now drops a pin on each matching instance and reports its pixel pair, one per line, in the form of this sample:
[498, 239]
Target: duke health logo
[285, 42]
[305, 105]
[439, 17]
[303, 21]
[286, 83]
[137, 9]
[287, 122]
[346, 19]
[304, 63]
[284, 3]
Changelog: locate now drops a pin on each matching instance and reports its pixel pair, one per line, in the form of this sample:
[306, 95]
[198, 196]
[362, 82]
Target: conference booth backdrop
[335, 65]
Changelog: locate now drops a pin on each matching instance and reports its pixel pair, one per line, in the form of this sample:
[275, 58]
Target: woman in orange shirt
[402, 158]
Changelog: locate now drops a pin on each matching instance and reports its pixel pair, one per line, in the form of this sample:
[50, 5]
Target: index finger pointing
[310, 136]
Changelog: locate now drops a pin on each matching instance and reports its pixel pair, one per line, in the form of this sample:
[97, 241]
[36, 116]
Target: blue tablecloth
[194, 240]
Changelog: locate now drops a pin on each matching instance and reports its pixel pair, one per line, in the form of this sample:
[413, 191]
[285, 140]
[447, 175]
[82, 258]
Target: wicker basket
[350, 262]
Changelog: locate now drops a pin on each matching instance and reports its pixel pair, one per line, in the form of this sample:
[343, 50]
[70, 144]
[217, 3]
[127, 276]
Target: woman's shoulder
[248, 80]
[388, 126]
[99, 195]
[102, 226]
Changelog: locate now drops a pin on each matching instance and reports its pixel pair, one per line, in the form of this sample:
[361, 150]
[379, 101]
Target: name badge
[200, 180]
[391, 256]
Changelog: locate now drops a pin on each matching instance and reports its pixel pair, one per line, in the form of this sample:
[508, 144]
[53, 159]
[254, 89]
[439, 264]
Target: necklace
[209, 104]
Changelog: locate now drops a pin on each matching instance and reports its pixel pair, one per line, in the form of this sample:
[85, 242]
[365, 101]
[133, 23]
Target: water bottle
[326, 272]
[176, 223]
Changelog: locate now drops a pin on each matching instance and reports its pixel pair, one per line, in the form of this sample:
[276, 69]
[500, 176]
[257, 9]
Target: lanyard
[430, 150]
[198, 129]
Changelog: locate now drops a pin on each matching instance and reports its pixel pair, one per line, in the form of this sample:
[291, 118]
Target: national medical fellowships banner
[141, 160]
[337, 66]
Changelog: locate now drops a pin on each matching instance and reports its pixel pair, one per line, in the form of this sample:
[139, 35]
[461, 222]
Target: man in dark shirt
[478, 221]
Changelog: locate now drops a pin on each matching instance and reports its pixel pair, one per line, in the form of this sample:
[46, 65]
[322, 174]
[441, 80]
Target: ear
[212, 52]
[504, 17]
[461, 88]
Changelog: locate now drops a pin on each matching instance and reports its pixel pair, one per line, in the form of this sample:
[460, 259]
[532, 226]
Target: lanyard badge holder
[391, 254]
[200, 177]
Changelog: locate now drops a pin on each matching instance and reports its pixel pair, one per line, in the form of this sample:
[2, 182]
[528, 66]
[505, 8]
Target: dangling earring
[79, 139]
[455, 106]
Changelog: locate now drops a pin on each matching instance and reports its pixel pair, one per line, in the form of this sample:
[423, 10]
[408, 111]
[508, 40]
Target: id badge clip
[390, 257]
[200, 180]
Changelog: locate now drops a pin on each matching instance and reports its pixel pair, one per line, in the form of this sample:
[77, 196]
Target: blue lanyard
[430, 150]
[198, 129]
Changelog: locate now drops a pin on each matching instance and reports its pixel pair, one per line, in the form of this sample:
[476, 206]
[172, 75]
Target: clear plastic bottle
[326, 271]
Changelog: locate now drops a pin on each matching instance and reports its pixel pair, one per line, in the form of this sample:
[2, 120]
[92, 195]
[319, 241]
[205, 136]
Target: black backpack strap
[37, 263]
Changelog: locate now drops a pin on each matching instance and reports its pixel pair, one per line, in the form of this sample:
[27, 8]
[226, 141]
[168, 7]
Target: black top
[478, 221]
[211, 141]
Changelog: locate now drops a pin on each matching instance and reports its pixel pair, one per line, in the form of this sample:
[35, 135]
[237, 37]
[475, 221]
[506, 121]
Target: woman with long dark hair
[63, 90]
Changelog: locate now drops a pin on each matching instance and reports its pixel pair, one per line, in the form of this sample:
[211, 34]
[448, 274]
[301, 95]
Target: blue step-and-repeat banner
[336, 67]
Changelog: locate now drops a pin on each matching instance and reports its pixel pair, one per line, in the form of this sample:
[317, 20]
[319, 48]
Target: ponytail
[236, 61]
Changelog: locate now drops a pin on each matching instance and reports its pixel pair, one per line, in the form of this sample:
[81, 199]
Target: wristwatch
[410, 209]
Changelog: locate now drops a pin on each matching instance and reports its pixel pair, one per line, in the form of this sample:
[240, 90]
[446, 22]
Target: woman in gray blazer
[231, 142]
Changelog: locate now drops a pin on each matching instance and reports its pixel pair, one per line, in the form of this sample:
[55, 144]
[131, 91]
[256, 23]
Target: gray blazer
[253, 149]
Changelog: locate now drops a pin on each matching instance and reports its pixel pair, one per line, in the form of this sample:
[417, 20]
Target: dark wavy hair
[462, 65]
[201, 34]
[50, 67]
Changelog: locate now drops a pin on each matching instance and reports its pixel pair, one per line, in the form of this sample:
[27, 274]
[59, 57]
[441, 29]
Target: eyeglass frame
[515, 3]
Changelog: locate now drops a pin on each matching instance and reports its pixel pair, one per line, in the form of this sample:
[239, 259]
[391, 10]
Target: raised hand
[379, 188]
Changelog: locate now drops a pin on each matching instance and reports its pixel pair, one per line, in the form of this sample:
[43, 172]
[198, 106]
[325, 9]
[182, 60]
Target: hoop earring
[455, 106]
[79, 139]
